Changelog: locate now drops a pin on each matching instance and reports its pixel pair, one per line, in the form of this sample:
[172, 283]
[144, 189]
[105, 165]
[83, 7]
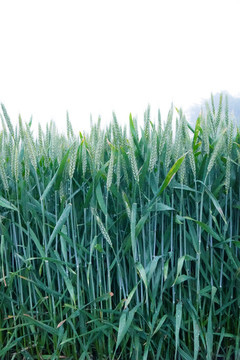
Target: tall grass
[121, 247]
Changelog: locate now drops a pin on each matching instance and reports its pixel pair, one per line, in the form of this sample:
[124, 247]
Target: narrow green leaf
[179, 269]
[129, 298]
[177, 326]
[122, 328]
[214, 200]
[184, 187]
[63, 243]
[133, 231]
[152, 267]
[171, 174]
[142, 274]
[183, 278]
[160, 324]
[68, 283]
[196, 133]
[209, 336]
[49, 186]
[165, 269]
[60, 171]
[37, 243]
[6, 204]
[124, 323]
[161, 207]
[40, 324]
[100, 199]
[196, 333]
[168, 179]
[184, 355]
[60, 223]
[205, 227]
[92, 247]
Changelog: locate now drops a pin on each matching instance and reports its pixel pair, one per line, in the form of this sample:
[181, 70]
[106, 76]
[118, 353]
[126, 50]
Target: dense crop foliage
[121, 246]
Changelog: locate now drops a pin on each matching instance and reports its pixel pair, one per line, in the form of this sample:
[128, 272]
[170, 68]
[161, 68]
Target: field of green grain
[122, 243]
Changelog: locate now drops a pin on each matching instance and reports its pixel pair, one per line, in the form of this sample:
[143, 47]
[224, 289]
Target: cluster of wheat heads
[121, 244]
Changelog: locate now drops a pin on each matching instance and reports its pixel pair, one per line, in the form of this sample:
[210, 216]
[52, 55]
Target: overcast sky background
[103, 56]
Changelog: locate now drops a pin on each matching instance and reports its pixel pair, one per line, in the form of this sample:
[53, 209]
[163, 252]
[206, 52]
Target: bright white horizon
[102, 56]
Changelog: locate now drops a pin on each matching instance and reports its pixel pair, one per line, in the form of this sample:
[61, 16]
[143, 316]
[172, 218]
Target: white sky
[99, 56]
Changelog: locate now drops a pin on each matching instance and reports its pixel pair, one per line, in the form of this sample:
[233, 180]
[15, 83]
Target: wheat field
[122, 243]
